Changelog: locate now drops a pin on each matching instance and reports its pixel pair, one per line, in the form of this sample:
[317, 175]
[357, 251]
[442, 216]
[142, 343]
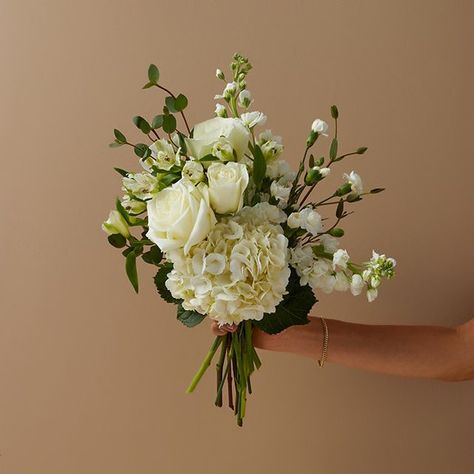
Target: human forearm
[412, 351]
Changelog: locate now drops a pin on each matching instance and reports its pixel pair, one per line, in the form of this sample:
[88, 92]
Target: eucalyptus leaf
[153, 74]
[120, 136]
[340, 208]
[142, 150]
[142, 124]
[170, 103]
[121, 172]
[169, 123]
[333, 149]
[181, 102]
[157, 121]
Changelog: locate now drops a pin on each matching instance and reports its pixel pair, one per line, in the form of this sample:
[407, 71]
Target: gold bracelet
[324, 354]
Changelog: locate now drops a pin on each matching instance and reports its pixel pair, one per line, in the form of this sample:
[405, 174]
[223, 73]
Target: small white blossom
[330, 243]
[271, 145]
[356, 183]
[193, 170]
[320, 126]
[252, 119]
[219, 74]
[340, 259]
[220, 111]
[141, 185]
[245, 98]
[357, 284]
[229, 91]
[133, 206]
[223, 150]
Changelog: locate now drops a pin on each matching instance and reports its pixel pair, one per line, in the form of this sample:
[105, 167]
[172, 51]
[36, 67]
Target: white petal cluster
[356, 183]
[140, 185]
[252, 119]
[270, 144]
[239, 272]
[307, 219]
[320, 126]
[164, 154]
[280, 189]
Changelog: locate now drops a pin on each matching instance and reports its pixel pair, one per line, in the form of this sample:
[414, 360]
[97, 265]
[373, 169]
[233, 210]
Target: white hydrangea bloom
[280, 189]
[239, 272]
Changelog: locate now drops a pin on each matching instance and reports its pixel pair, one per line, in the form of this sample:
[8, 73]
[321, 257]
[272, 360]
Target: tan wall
[92, 377]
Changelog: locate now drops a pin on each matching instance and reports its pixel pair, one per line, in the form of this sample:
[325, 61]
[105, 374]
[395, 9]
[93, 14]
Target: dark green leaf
[319, 161]
[148, 85]
[115, 144]
[153, 74]
[311, 161]
[122, 211]
[142, 150]
[376, 190]
[169, 123]
[333, 149]
[181, 102]
[153, 256]
[209, 157]
[293, 310]
[157, 121]
[189, 318]
[170, 103]
[168, 179]
[131, 269]
[336, 232]
[340, 208]
[117, 240]
[182, 143]
[121, 172]
[361, 150]
[160, 280]
[142, 124]
[334, 112]
[259, 166]
[127, 251]
[119, 136]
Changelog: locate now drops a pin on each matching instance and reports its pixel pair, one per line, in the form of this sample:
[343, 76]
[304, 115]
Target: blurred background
[93, 376]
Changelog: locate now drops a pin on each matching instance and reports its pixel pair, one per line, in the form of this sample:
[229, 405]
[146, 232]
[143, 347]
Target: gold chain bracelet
[324, 354]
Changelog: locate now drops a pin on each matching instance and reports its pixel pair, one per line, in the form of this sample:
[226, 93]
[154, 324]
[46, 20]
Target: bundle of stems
[237, 361]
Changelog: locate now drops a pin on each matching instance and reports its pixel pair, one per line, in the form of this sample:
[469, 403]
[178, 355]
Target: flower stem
[205, 364]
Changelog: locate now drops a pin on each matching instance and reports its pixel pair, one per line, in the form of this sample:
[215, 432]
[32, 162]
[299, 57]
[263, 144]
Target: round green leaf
[153, 73]
[181, 102]
[169, 123]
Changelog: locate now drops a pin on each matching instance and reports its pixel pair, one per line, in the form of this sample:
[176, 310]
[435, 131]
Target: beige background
[92, 377]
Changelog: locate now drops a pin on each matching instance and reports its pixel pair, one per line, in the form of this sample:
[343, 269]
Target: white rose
[340, 259]
[193, 170]
[355, 181]
[116, 224]
[180, 216]
[164, 154]
[227, 183]
[320, 126]
[207, 133]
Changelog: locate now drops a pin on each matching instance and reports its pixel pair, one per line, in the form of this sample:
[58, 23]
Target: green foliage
[131, 269]
[361, 150]
[142, 150]
[333, 149]
[340, 208]
[209, 157]
[142, 124]
[153, 74]
[119, 136]
[160, 279]
[189, 318]
[293, 310]
[121, 172]
[153, 256]
[169, 123]
[157, 121]
[259, 166]
[336, 232]
[334, 112]
[180, 103]
[376, 190]
[117, 240]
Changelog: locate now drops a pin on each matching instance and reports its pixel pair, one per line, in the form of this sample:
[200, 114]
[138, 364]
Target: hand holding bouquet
[235, 233]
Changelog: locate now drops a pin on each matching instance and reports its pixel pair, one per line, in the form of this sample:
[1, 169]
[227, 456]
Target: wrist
[306, 339]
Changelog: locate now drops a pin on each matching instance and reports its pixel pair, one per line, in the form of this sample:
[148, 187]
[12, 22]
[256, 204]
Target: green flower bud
[116, 224]
[344, 189]
[361, 150]
[334, 112]
[313, 136]
[312, 176]
[336, 232]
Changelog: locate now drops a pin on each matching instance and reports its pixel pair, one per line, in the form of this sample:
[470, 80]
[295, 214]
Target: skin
[432, 352]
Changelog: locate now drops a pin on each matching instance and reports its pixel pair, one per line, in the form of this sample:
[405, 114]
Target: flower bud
[245, 98]
[320, 126]
[313, 136]
[344, 189]
[312, 176]
[361, 150]
[220, 74]
[116, 224]
[220, 111]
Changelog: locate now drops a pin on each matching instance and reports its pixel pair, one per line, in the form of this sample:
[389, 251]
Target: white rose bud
[180, 216]
[194, 171]
[320, 126]
[116, 224]
[227, 183]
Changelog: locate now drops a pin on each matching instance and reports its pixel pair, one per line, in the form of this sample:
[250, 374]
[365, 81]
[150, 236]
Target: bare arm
[411, 351]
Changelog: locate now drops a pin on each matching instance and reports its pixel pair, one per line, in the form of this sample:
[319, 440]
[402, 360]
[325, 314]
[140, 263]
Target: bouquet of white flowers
[232, 229]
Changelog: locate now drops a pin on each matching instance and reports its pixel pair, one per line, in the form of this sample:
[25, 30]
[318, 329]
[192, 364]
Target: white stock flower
[193, 170]
[116, 224]
[227, 183]
[320, 126]
[252, 119]
[239, 272]
[270, 144]
[357, 284]
[340, 259]
[372, 294]
[220, 111]
[356, 183]
[277, 168]
[229, 91]
[180, 216]
[141, 185]
[245, 98]
[281, 189]
[207, 133]
[163, 153]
